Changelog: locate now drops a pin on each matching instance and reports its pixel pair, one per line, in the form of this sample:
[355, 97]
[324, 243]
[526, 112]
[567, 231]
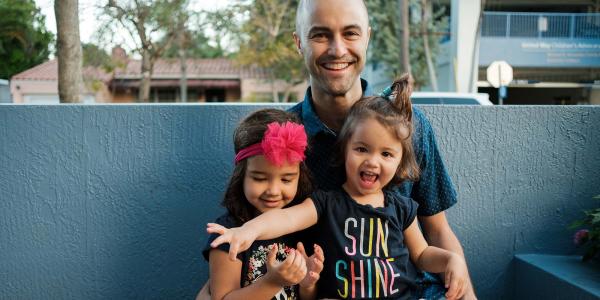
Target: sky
[88, 10]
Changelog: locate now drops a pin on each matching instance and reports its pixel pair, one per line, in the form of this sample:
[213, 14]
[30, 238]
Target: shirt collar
[312, 123]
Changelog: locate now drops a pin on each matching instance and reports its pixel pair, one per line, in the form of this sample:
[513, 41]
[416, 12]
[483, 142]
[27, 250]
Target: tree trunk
[274, 88]
[183, 66]
[147, 65]
[425, 9]
[68, 45]
[405, 37]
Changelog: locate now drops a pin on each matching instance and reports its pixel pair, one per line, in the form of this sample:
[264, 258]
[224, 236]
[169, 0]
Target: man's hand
[456, 277]
[314, 265]
[288, 272]
[239, 238]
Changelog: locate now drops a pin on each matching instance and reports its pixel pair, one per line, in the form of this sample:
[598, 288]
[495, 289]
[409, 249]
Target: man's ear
[368, 36]
[297, 42]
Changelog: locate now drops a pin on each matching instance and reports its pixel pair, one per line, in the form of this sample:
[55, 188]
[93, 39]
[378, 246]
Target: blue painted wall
[111, 201]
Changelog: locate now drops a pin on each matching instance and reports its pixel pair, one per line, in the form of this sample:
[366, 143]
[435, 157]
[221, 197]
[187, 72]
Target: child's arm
[269, 225]
[225, 276]
[437, 260]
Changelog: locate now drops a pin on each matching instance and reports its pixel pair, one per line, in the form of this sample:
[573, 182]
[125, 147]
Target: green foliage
[24, 40]
[263, 30]
[197, 45]
[385, 47]
[589, 237]
[95, 56]
[152, 24]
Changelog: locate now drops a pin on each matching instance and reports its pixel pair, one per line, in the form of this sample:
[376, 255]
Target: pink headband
[280, 143]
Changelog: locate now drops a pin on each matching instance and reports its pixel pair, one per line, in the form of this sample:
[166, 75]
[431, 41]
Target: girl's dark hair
[394, 114]
[249, 132]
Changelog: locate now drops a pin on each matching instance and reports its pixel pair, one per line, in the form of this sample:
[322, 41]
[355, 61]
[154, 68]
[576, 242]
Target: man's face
[333, 39]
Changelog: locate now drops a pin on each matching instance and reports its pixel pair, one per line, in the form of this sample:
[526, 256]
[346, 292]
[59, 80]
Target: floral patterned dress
[255, 258]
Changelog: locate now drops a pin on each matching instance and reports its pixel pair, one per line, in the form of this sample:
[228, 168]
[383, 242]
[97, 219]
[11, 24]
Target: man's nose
[337, 47]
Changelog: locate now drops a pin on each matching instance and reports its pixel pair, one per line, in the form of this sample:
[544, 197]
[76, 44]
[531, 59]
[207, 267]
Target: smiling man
[333, 37]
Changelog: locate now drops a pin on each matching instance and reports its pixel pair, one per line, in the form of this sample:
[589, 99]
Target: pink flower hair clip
[281, 143]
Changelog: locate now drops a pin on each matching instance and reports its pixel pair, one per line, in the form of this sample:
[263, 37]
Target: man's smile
[336, 66]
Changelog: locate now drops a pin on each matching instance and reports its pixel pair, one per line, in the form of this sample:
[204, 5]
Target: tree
[68, 46]
[385, 44]
[264, 37]
[95, 56]
[24, 40]
[152, 26]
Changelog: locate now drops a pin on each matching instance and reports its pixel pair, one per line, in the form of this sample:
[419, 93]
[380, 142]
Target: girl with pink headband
[269, 174]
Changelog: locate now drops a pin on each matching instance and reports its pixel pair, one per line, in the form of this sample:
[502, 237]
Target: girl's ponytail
[402, 89]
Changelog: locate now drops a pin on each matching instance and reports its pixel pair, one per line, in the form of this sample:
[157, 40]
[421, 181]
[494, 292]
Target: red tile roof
[49, 71]
[217, 68]
[196, 68]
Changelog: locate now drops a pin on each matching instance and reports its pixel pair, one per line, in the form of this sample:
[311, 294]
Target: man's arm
[438, 233]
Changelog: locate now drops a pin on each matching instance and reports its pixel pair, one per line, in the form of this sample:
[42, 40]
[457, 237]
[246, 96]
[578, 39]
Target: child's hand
[288, 272]
[456, 277]
[314, 265]
[239, 238]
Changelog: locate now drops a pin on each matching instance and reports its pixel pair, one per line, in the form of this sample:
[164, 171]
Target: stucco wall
[111, 201]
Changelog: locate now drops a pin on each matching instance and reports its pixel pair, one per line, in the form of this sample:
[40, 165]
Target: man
[333, 36]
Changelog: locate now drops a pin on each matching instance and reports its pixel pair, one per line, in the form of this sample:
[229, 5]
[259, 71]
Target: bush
[589, 236]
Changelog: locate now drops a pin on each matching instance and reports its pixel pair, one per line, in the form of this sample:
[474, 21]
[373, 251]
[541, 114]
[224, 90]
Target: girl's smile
[267, 186]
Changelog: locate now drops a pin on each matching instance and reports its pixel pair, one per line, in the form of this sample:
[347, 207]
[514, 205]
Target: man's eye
[318, 36]
[351, 34]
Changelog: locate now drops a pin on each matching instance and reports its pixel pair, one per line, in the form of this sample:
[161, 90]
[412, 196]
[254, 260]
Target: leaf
[576, 224]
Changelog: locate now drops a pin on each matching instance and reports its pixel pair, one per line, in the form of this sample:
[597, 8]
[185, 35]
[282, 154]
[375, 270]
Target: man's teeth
[336, 66]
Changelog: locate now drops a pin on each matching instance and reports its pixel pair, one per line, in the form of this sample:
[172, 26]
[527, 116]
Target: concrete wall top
[111, 201]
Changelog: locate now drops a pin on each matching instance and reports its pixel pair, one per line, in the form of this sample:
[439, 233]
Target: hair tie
[281, 143]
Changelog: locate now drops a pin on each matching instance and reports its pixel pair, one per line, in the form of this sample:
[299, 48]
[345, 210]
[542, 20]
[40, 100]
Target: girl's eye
[361, 149]
[387, 154]
[286, 180]
[258, 179]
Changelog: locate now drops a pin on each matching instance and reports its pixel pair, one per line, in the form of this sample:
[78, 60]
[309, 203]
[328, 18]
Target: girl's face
[267, 186]
[372, 157]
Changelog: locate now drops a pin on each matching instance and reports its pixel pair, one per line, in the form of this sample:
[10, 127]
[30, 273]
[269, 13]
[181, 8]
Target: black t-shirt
[365, 255]
[254, 259]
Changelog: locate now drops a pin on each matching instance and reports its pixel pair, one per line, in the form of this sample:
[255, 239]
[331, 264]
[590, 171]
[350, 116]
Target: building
[4, 92]
[208, 80]
[553, 47]
[39, 85]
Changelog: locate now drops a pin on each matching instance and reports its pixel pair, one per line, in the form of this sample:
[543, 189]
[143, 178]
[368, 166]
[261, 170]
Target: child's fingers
[317, 265]
[300, 248]
[272, 255]
[233, 250]
[223, 239]
[215, 228]
[453, 288]
[289, 260]
[319, 253]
